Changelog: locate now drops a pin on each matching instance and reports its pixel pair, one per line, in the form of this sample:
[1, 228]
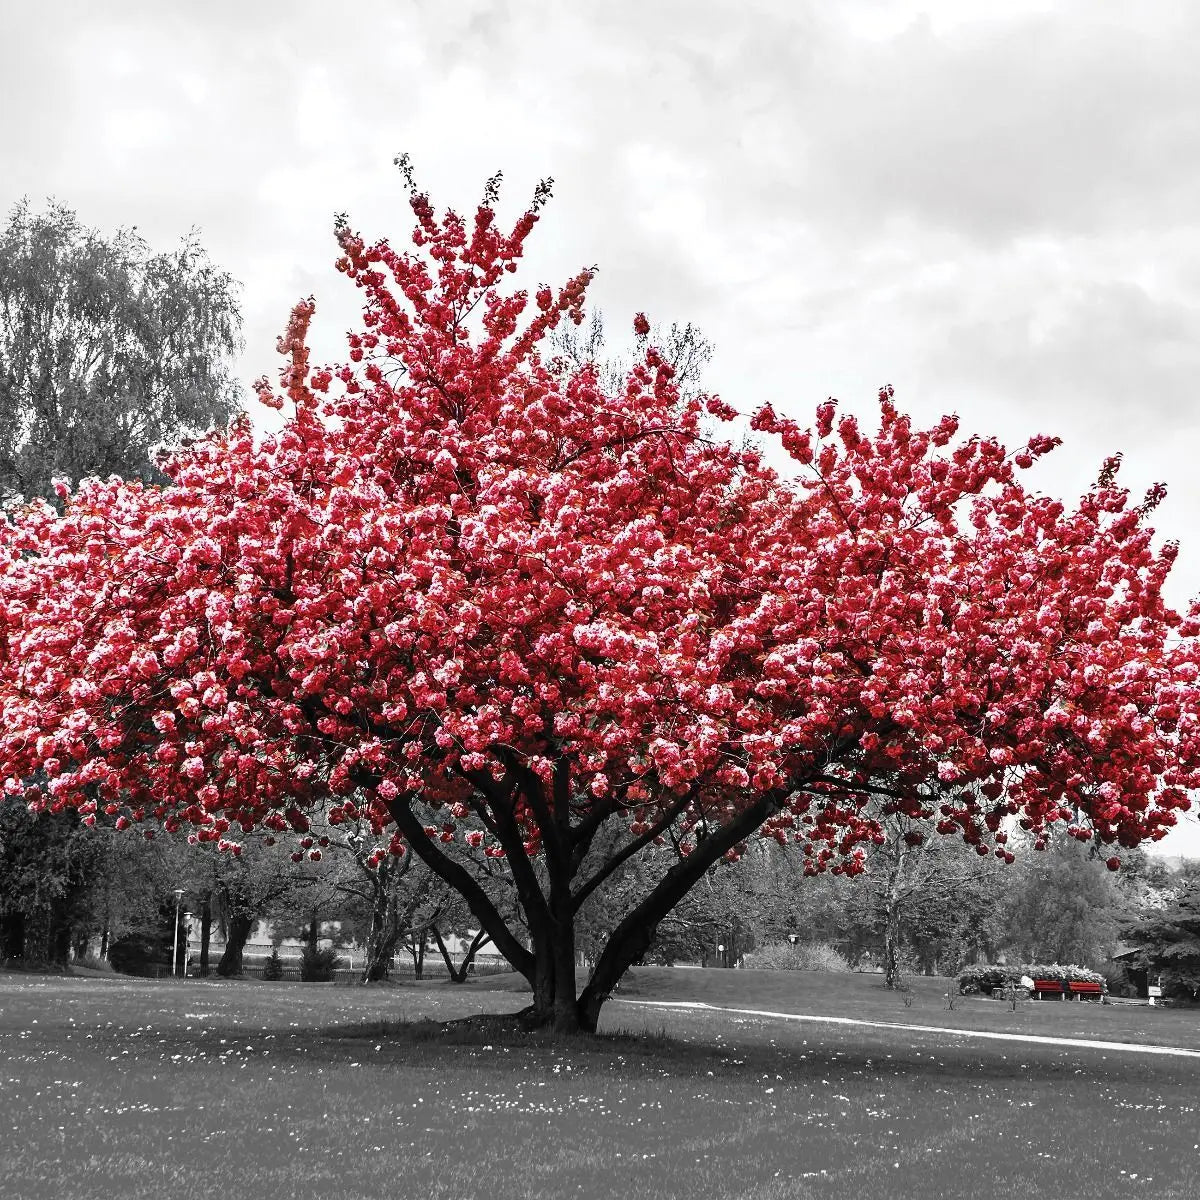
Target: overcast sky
[994, 207]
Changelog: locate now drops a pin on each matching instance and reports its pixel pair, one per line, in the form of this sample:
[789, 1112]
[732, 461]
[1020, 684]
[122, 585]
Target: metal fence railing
[433, 969]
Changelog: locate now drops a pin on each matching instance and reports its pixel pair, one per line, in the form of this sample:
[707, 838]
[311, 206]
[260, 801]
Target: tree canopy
[1168, 939]
[107, 350]
[494, 608]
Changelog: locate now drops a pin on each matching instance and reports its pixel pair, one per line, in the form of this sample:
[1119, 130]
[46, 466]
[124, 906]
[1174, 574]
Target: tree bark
[891, 951]
[459, 974]
[549, 913]
[891, 924]
[632, 937]
[205, 932]
[384, 934]
[240, 926]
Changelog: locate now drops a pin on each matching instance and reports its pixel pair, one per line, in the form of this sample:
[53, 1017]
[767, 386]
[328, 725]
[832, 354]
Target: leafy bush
[802, 956]
[988, 976]
[984, 978]
[140, 954]
[318, 966]
[273, 967]
[92, 963]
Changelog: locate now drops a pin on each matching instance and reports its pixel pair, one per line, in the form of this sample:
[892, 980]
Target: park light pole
[175, 948]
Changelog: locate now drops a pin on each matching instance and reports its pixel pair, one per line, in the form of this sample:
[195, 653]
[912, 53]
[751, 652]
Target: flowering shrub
[527, 627]
[800, 956]
[985, 978]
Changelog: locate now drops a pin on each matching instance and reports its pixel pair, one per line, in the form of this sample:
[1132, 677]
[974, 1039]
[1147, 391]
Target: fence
[434, 969]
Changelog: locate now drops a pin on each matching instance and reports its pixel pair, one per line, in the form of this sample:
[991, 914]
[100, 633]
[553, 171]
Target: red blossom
[455, 571]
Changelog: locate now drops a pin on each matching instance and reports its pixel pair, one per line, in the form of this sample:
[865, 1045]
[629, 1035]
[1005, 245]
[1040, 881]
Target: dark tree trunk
[891, 924]
[205, 931]
[632, 937]
[458, 974]
[891, 951]
[385, 931]
[381, 945]
[60, 938]
[549, 914]
[240, 926]
[36, 946]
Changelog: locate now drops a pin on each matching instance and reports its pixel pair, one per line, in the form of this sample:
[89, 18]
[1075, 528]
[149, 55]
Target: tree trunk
[891, 924]
[891, 950]
[60, 937]
[550, 920]
[205, 931]
[240, 926]
[381, 946]
[459, 974]
[385, 931]
[35, 949]
[632, 937]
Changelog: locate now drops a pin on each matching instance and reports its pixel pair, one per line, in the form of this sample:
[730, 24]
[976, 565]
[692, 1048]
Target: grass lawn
[117, 1088]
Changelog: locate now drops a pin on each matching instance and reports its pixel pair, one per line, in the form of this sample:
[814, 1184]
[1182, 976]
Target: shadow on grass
[514, 1032]
[696, 1052]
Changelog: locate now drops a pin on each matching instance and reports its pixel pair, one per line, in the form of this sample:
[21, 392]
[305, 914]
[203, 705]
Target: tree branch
[639, 843]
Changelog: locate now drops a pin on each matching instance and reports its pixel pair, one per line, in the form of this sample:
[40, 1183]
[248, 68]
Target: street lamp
[175, 948]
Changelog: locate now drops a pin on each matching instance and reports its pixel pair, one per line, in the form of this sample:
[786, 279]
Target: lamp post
[175, 948]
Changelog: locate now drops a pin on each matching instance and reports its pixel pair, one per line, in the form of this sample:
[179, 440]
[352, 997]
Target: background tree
[1168, 939]
[924, 893]
[684, 348]
[485, 601]
[47, 865]
[108, 350]
[1063, 906]
[239, 890]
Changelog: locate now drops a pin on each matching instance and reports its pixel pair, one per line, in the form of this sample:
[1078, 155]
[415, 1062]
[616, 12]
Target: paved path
[1024, 1038]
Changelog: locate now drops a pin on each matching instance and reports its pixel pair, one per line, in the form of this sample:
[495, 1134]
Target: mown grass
[864, 997]
[189, 1090]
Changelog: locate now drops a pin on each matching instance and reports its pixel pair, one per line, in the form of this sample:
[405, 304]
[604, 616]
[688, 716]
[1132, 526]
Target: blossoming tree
[470, 595]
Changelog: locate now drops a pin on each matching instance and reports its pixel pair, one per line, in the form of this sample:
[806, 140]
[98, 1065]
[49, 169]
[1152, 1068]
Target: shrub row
[986, 977]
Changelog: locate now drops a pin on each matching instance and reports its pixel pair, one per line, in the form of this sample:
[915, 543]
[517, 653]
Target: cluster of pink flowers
[455, 566]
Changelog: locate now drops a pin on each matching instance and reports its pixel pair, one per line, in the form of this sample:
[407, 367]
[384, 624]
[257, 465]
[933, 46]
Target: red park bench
[1075, 990]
